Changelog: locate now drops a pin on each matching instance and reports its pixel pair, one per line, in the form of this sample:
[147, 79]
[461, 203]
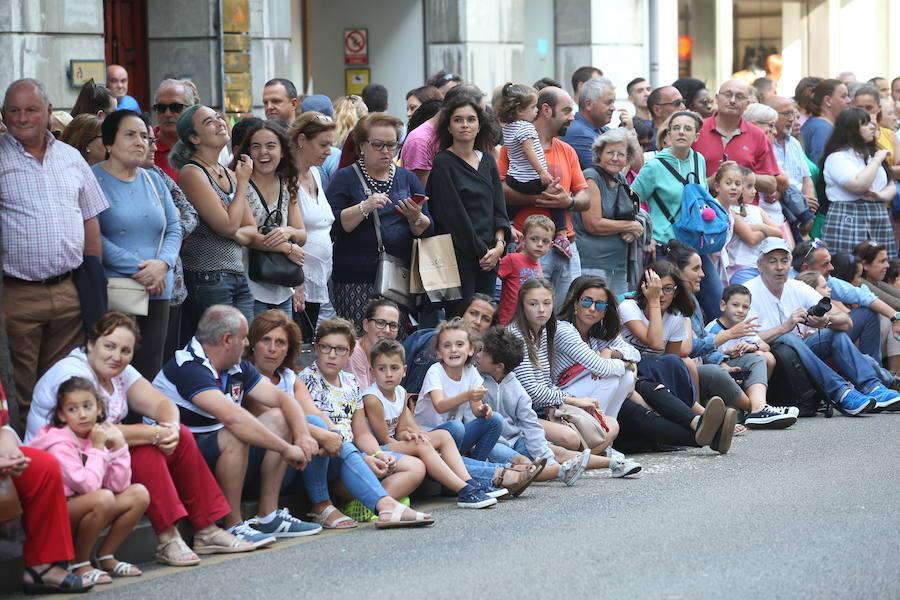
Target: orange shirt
[562, 162]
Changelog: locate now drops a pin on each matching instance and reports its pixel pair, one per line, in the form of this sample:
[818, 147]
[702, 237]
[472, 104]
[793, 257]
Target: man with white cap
[781, 307]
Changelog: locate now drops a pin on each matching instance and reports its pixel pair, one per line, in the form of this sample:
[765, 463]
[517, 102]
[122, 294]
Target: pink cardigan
[84, 468]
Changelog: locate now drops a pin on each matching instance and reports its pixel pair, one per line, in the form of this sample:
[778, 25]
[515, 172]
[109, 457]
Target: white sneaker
[786, 410]
[613, 453]
[623, 467]
[572, 469]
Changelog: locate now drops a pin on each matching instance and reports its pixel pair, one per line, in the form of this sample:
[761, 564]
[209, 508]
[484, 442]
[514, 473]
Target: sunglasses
[175, 107]
[813, 246]
[599, 305]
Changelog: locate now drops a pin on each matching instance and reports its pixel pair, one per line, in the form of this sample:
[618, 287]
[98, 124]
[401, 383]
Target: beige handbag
[589, 428]
[126, 295]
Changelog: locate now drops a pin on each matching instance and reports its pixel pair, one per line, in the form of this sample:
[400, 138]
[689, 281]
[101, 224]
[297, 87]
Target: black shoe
[71, 584]
[721, 443]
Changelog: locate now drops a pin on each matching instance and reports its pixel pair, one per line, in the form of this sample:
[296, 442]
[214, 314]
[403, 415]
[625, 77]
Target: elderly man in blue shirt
[791, 159]
[814, 256]
[596, 105]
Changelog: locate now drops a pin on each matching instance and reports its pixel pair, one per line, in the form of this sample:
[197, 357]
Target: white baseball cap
[772, 243]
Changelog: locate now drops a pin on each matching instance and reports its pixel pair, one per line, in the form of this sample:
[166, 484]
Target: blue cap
[318, 102]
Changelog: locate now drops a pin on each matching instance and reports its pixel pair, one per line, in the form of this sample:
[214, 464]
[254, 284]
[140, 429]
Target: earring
[300, 147]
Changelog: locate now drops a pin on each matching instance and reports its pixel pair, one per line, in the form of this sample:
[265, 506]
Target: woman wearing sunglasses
[591, 308]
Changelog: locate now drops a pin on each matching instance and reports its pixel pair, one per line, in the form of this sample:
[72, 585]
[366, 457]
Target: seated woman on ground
[96, 473]
[554, 347]
[394, 427]
[334, 396]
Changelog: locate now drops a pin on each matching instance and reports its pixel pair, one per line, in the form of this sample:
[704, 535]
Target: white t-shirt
[392, 408]
[437, 379]
[771, 311]
[673, 326]
[740, 253]
[843, 165]
[43, 399]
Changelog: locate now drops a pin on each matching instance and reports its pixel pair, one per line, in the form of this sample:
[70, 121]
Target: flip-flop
[71, 584]
[322, 517]
[396, 519]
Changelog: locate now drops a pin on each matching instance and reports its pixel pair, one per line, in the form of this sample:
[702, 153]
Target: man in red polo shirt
[172, 97]
[726, 136]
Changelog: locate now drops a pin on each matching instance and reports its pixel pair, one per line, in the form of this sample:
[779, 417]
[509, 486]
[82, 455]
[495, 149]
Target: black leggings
[643, 430]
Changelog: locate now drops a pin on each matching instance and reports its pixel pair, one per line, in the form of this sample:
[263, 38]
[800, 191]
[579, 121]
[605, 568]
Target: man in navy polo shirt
[209, 382]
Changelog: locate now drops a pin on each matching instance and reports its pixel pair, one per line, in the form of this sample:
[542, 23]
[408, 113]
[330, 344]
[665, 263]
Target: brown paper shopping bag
[433, 270]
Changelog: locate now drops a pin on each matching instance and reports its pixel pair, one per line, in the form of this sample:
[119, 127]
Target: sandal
[739, 429]
[71, 583]
[92, 576]
[396, 519]
[166, 554]
[220, 541]
[122, 568]
[322, 519]
[527, 476]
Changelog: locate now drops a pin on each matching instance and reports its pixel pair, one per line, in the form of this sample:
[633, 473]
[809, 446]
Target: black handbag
[272, 267]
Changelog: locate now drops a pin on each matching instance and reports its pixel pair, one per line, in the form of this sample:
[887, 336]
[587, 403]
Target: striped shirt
[43, 207]
[569, 350]
[629, 352]
[516, 134]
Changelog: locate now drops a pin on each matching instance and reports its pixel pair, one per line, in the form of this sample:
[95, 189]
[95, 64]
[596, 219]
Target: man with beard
[172, 97]
[568, 190]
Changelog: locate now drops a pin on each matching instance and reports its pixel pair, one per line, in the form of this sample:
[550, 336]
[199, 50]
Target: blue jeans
[478, 436]
[349, 465]
[616, 279]
[847, 358]
[561, 271]
[259, 307]
[866, 332]
[710, 290]
[504, 454]
[206, 288]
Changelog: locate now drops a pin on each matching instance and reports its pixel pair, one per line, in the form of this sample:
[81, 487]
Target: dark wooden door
[125, 33]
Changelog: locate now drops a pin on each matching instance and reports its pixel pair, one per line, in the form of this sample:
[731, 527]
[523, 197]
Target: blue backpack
[705, 235]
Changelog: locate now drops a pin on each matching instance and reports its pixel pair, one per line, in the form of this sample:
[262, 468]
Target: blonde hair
[347, 111]
[456, 324]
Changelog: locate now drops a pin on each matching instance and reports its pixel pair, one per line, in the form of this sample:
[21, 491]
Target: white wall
[396, 46]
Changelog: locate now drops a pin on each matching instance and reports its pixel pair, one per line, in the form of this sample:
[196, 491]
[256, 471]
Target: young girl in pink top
[96, 472]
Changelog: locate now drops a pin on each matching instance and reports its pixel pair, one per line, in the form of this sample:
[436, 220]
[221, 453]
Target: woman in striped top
[553, 347]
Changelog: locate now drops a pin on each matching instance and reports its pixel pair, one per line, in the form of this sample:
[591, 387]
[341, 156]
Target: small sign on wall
[80, 71]
[355, 80]
[356, 46]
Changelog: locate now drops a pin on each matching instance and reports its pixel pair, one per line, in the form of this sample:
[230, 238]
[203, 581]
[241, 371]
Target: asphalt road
[810, 512]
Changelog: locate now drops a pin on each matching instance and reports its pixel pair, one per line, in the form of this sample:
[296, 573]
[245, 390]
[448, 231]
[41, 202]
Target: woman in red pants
[48, 539]
[164, 456]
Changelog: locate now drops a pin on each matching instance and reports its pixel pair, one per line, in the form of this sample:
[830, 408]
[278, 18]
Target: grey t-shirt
[602, 251]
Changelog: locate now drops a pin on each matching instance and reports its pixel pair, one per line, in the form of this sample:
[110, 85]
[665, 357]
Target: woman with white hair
[765, 117]
[608, 228]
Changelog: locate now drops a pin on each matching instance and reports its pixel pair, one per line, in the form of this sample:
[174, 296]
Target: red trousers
[180, 485]
[45, 518]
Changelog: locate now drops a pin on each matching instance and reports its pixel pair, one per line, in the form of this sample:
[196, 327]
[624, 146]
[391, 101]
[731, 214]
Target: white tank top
[392, 409]
[741, 254]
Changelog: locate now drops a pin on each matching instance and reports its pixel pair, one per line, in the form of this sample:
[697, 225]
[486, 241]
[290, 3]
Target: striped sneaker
[285, 525]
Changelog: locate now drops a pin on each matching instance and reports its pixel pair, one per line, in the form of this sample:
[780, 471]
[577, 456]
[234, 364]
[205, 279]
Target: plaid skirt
[849, 224]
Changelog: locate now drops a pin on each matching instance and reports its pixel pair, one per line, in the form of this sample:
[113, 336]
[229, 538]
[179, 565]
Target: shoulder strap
[162, 208]
[262, 201]
[672, 170]
[205, 172]
[662, 207]
[376, 220]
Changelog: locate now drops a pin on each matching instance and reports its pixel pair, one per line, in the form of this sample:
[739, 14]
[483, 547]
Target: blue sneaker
[885, 399]
[488, 489]
[285, 525]
[243, 531]
[472, 497]
[855, 403]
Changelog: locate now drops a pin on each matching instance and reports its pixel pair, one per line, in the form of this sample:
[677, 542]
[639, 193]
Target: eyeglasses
[326, 349]
[733, 96]
[381, 324]
[679, 102]
[669, 289]
[378, 145]
[599, 305]
[175, 107]
[787, 113]
[614, 154]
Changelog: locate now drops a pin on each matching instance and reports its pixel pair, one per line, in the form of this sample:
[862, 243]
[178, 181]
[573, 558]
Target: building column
[272, 51]
[40, 37]
[483, 42]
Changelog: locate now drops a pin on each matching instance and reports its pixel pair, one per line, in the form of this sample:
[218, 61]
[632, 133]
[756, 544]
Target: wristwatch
[896, 317]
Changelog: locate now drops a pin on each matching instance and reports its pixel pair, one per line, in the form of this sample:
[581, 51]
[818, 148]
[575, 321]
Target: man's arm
[766, 183]
[239, 422]
[92, 245]
[798, 316]
[267, 394]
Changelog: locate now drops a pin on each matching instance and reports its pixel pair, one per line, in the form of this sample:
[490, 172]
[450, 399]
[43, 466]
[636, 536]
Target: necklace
[219, 173]
[308, 182]
[378, 186]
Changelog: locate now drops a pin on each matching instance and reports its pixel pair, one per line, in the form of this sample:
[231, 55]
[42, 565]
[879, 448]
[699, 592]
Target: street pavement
[809, 512]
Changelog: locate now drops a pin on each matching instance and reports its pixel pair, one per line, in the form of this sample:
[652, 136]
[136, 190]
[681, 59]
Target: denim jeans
[616, 279]
[353, 471]
[504, 454]
[478, 436]
[867, 332]
[710, 290]
[837, 346]
[286, 306]
[206, 288]
[561, 272]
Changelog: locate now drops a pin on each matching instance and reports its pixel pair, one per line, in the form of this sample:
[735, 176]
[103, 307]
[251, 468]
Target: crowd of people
[161, 282]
